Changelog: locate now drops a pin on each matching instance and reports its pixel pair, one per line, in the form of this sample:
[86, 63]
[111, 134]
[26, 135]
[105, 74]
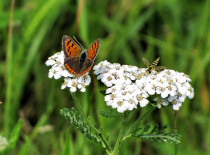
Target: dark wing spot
[68, 42]
[69, 50]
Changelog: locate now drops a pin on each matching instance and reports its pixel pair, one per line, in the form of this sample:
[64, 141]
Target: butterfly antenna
[78, 41]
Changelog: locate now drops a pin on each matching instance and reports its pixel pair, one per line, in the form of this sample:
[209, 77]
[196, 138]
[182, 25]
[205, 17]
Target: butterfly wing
[86, 67]
[72, 65]
[70, 47]
[71, 51]
[93, 50]
[91, 55]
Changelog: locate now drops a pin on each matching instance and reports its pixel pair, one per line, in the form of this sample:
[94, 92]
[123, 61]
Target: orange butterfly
[78, 61]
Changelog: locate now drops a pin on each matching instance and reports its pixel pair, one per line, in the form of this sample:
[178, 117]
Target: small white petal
[50, 74]
[176, 106]
[144, 102]
[107, 98]
[57, 76]
[73, 89]
[164, 94]
[83, 89]
[50, 62]
[63, 86]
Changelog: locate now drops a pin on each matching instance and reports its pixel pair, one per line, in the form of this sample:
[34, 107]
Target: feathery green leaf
[156, 134]
[79, 122]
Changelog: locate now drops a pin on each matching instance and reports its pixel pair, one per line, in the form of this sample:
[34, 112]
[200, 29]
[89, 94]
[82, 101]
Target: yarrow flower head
[130, 86]
[58, 71]
[3, 143]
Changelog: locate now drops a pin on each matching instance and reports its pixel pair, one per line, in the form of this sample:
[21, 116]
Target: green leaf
[79, 122]
[156, 134]
[136, 124]
[110, 113]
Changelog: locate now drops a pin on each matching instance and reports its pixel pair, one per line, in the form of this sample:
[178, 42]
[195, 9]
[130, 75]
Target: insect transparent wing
[146, 62]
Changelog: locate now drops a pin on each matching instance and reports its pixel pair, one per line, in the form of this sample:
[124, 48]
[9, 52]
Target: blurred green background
[177, 30]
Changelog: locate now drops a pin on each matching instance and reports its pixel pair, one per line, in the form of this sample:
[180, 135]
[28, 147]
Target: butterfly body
[78, 61]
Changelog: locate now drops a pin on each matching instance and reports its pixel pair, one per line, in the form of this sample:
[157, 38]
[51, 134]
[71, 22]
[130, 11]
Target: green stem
[175, 149]
[79, 108]
[9, 110]
[175, 127]
[120, 136]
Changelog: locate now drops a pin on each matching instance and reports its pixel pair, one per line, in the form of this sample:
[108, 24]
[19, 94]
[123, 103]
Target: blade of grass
[34, 25]
[9, 74]
[50, 106]
[33, 50]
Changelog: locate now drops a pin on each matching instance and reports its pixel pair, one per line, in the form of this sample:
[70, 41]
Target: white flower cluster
[3, 143]
[129, 86]
[58, 70]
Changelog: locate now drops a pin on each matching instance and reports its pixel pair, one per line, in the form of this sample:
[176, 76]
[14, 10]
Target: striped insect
[153, 66]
